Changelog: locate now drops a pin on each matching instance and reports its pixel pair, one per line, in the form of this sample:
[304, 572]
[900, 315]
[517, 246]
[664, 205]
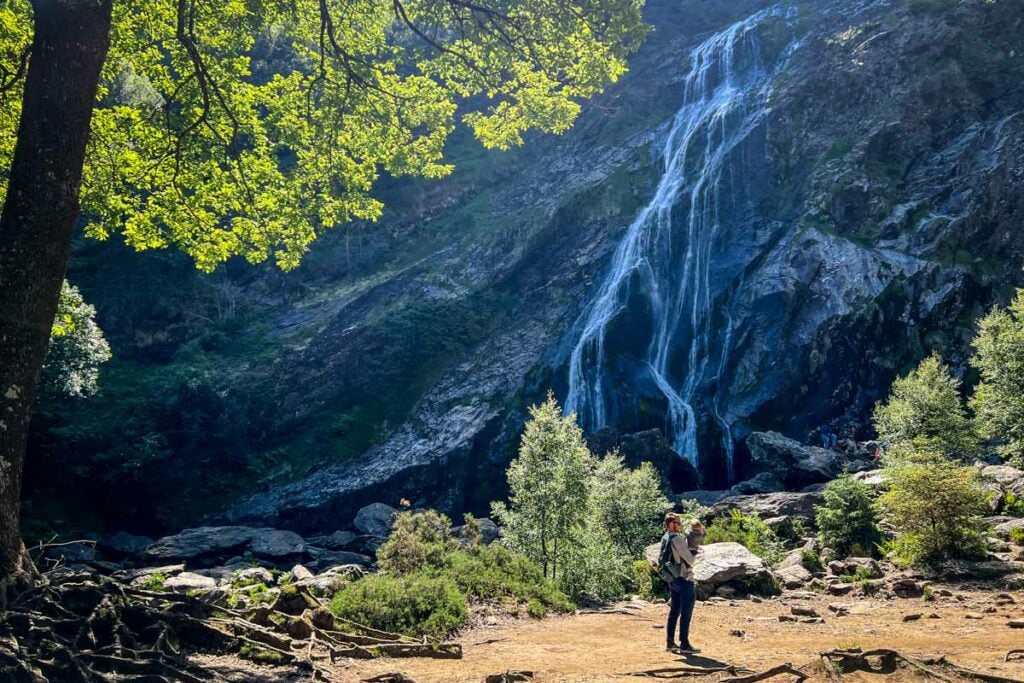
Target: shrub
[924, 409]
[749, 531]
[494, 572]
[415, 604]
[154, 582]
[1013, 504]
[936, 510]
[1017, 535]
[811, 561]
[998, 400]
[847, 521]
[420, 539]
[421, 544]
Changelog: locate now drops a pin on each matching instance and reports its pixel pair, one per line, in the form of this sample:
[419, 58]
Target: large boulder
[721, 563]
[375, 519]
[200, 542]
[1007, 479]
[793, 463]
[339, 540]
[792, 572]
[274, 544]
[767, 505]
[122, 544]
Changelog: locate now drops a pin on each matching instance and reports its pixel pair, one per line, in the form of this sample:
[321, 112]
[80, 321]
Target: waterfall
[725, 96]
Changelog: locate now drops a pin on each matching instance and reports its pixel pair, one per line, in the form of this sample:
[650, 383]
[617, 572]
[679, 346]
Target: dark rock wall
[882, 217]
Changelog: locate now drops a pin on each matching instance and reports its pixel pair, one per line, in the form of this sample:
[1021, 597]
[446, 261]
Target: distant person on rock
[676, 560]
[826, 439]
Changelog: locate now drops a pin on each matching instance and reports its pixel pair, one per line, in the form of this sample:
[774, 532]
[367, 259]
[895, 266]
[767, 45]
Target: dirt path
[587, 648]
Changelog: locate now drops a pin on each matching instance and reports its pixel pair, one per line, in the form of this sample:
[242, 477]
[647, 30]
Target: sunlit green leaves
[249, 127]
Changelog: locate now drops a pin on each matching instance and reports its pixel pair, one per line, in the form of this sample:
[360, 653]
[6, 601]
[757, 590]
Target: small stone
[812, 620]
[187, 581]
[912, 617]
[255, 574]
[726, 591]
[839, 610]
[943, 593]
[737, 632]
[990, 610]
[756, 599]
[799, 611]
[973, 615]
[786, 617]
[1015, 623]
[934, 615]
[300, 573]
[840, 588]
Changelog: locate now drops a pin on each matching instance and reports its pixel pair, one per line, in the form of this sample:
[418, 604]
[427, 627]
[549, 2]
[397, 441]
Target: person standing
[676, 568]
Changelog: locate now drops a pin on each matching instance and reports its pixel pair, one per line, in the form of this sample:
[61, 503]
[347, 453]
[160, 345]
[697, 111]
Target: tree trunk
[68, 50]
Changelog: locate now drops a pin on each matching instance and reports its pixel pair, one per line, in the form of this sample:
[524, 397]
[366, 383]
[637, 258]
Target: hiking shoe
[671, 647]
[688, 649]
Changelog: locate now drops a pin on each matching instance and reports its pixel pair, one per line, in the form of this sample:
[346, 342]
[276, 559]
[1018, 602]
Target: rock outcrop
[794, 464]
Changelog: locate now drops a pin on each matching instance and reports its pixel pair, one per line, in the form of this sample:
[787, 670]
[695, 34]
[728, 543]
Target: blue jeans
[683, 597]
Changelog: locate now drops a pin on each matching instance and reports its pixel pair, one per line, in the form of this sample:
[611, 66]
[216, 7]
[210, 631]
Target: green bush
[936, 509]
[421, 544]
[493, 572]
[925, 410]
[811, 561]
[847, 521]
[1013, 504]
[1017, 535]
[749, 531]
[419, 539]
[415, 604]
[998, 400]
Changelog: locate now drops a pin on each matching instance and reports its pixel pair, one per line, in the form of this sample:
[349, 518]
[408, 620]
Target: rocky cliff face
[869, 215]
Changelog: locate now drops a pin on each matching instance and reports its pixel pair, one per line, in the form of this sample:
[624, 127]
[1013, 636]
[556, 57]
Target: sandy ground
[586, 648]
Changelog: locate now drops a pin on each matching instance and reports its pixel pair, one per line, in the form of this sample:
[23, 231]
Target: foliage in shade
[239, 128]
[936, 508]
[925, 411]
[998, 400]
[847, 521]
[77, 347]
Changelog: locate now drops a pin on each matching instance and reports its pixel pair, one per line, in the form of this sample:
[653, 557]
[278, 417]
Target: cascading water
[667, 263]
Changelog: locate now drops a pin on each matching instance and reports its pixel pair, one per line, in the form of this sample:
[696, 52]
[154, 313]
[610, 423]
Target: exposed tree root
[938, 668]
[1013, 655]
[767, 673]
[78, 627]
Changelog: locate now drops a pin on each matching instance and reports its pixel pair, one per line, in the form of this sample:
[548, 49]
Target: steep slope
[869, 214]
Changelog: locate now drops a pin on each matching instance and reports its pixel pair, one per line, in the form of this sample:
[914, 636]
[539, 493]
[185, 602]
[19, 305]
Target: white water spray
[725, 95]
